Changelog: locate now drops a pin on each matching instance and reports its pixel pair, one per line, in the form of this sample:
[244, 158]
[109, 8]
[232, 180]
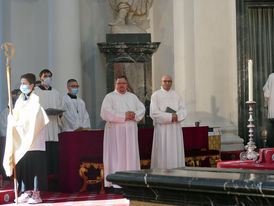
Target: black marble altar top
[128, 48]
[215, 184]
[112, 38]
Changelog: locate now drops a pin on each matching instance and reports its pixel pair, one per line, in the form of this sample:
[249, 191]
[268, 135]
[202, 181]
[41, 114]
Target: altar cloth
[77, 147]
[265, 162]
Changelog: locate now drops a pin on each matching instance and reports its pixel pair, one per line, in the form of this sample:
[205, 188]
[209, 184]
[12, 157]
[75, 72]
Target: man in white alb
[75, 116]
[50, 98]
[269, 104]
[167, 110]
[121, 110]
[269, 95]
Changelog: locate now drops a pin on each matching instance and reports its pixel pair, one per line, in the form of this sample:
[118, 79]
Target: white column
[1, 63]
[162, 31]
[64, 43]
[184, 51]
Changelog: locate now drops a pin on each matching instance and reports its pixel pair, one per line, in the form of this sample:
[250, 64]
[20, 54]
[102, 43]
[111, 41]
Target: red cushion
[266, 155]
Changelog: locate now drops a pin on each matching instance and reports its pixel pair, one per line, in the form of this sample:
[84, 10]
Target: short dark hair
[121, 77]
[16, 92]
[44, 71]
[71, 80]
[29, 77]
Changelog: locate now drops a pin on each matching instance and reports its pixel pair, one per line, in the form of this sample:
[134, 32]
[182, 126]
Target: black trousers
[52, 153]
[32, 172]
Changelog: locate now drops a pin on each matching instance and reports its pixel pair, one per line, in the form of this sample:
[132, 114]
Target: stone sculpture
[131, 16]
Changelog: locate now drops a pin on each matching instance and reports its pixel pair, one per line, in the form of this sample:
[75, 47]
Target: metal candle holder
[250, 154]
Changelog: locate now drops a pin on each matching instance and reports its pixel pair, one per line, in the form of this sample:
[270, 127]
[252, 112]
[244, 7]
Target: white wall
[199, 50]
[95, 16]
[64, 43]
[184, 51]
[162, 31]
[216, 61]
[31, 26]
[29, 34]
[25, 25]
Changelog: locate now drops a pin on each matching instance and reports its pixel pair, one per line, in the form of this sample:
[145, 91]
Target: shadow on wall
[93, 65]
[214, 108]
[205, 119]
[211, 119]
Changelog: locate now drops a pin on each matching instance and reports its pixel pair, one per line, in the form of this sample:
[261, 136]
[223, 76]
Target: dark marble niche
[130, 55]
[198, 186]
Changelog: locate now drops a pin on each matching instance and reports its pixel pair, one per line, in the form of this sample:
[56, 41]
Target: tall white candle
[250, 80]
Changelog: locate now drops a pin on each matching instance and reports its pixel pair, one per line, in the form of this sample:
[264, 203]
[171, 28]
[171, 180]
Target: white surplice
[121, 150]
[75, 114]
[269, 94]
[3, 121]
[25, 131]
[168, 144]
[51, 99]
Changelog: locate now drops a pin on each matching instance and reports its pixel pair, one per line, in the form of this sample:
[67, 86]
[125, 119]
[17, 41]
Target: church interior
[220, 58]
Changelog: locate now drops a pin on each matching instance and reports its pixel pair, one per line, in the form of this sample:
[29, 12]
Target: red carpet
[6, 192]
[56, 198]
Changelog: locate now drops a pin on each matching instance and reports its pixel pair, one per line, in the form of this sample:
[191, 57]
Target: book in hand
[52, 111]
[170, 110]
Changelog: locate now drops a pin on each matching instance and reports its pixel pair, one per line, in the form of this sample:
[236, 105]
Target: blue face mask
[24, 88]
[48, 81]
[74, 91]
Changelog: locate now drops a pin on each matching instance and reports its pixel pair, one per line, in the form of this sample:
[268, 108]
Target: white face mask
[48, 81]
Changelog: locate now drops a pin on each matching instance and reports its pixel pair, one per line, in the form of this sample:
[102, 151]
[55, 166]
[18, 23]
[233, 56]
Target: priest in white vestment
[167, 110]
[75, 116]
[269, 95]
[50, 98]
[121, 110]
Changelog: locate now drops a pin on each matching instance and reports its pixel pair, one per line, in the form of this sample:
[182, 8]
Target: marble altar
[198, 186]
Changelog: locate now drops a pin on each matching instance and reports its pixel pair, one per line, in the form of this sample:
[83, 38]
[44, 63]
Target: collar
[26, 96]
[72, 96]
[44, 88]
[119, 93]
[165, 90]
